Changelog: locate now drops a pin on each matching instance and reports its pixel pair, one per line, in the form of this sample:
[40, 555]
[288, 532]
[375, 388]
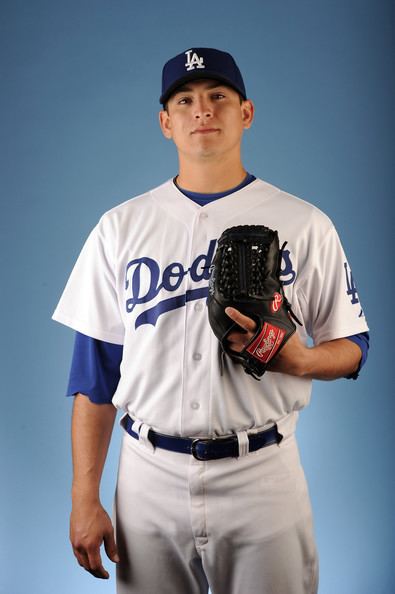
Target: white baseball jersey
[141, 280]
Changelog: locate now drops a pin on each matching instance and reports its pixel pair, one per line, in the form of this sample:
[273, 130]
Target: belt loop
[143, 437]
[243, 441]
[136, 426]
[142, 431]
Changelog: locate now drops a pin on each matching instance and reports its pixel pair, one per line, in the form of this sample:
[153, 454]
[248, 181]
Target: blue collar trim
[203, 199]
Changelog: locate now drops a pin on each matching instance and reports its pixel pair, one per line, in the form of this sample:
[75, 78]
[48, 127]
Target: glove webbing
[242, 270]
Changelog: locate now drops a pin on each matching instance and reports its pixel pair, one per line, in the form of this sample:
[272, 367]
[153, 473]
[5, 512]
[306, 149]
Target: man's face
[206, 118]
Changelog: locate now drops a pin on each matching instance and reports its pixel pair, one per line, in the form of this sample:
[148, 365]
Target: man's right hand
[90, 526]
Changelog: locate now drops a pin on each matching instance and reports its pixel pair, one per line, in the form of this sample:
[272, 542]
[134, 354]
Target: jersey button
[198, 306]
[203, 215]
[196, 356]
[195, 405]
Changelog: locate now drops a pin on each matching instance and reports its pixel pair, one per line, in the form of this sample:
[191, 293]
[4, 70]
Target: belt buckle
[195, 444]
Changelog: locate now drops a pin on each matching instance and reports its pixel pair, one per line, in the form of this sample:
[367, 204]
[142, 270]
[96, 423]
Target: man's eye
[184, 100]
[218, 96]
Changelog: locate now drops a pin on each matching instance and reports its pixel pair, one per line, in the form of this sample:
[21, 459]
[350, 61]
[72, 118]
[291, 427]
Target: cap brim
[196, 75]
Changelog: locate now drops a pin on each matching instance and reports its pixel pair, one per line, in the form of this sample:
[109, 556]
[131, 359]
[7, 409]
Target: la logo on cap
[193, 60]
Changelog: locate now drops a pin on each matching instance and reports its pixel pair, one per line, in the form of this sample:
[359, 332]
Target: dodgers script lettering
[144, 281]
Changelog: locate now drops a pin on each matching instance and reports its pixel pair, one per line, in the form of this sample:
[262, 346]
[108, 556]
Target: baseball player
[195, 507]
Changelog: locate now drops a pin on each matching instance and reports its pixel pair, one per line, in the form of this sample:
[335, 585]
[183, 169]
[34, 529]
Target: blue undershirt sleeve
[95, 369]
[362, 340]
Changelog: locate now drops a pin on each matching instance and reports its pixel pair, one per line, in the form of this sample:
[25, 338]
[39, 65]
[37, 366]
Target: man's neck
[210, 178]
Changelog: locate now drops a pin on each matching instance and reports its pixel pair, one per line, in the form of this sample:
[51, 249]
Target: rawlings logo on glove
[266, 345]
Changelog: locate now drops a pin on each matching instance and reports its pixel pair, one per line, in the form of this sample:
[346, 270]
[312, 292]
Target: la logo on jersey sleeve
[352, 288]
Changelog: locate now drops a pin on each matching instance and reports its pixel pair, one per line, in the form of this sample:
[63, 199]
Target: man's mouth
[205, 130]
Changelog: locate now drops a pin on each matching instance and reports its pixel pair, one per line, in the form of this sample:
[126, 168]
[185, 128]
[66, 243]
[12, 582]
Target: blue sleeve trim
[95, 369]
[362, 340]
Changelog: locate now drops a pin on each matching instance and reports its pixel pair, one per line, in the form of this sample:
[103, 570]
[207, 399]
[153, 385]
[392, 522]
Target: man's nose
[202, 109]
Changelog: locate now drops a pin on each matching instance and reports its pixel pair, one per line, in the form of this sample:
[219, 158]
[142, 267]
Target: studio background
[80, 84]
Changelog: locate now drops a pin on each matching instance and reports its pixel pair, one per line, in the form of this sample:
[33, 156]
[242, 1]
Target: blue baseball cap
[200, 62]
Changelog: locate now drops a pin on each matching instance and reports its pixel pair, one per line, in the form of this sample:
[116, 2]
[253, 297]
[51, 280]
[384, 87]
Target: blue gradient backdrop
[78, 106]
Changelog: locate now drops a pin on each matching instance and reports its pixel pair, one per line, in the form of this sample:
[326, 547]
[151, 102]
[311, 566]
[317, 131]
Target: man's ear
[165, 124]
[247, 112]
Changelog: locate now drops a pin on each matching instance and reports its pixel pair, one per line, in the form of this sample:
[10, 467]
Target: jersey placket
[196, 396]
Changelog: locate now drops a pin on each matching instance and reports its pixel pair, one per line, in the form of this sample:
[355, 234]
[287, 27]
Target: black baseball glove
[245, 275]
